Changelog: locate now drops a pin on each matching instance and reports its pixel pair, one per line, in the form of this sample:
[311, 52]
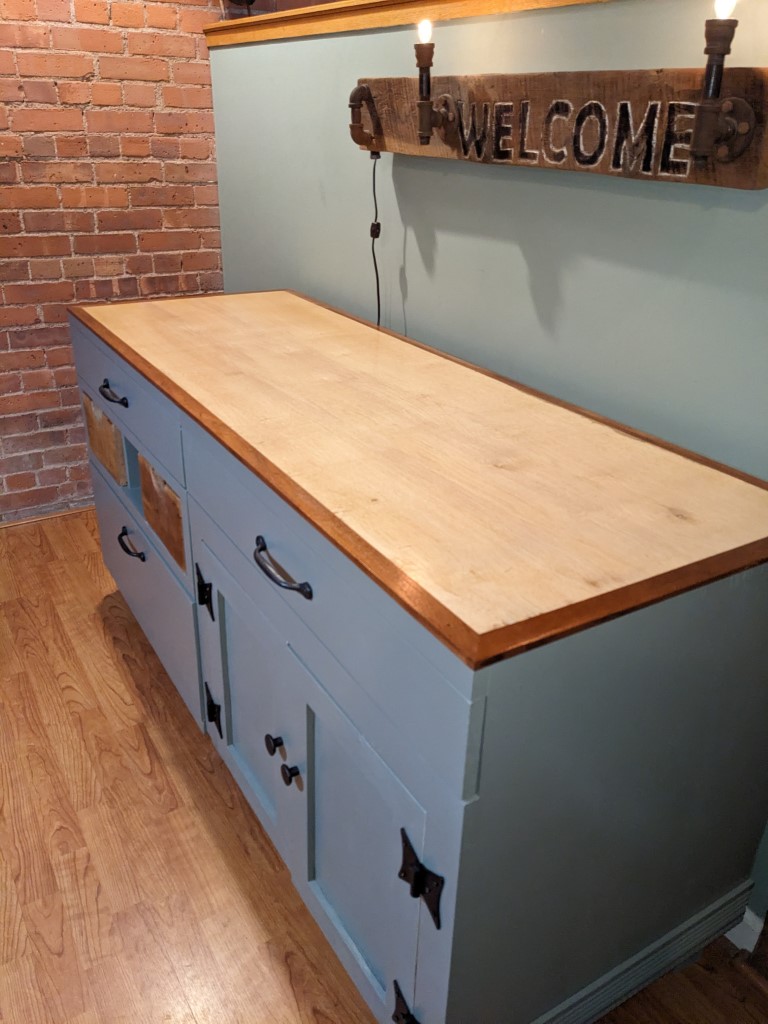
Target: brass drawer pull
[129, 550]
[262, 558]
[111, 396]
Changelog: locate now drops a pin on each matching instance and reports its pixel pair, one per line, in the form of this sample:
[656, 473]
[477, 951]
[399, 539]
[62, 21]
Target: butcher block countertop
[498, 517]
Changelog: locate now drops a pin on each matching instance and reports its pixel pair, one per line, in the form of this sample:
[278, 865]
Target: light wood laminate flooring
[136, 885]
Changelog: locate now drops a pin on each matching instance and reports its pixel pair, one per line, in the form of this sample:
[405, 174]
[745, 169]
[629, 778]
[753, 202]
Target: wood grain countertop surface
[498, 517]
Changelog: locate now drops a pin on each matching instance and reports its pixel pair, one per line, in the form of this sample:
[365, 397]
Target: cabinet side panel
[623, 789]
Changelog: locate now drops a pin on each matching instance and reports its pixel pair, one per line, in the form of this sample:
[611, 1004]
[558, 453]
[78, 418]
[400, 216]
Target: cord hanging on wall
[670, 125]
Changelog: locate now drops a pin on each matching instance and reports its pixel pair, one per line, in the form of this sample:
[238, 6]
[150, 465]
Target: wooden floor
[135, 883]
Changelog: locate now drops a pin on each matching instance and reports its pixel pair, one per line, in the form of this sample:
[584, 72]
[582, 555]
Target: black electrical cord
[375, 232]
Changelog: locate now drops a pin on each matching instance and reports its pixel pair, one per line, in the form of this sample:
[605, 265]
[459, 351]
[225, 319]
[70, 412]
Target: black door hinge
[213, 710]
[425, 884]
[204, 592]
[402, 1014]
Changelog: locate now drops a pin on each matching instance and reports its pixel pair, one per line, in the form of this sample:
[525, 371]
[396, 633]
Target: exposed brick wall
[107, 191]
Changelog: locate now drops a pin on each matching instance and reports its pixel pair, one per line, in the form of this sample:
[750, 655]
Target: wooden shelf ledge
[361, 15]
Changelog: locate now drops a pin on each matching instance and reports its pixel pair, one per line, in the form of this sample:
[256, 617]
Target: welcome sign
[635, 124]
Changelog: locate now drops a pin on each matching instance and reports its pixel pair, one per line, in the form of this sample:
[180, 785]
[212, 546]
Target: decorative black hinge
[402, 1014]
[425, 884]
[213, 710]
[204, 592]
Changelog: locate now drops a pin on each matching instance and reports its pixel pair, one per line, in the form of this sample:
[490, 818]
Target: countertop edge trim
[475, 650]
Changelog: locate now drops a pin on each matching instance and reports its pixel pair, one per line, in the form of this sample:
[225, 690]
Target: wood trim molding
[361, 15]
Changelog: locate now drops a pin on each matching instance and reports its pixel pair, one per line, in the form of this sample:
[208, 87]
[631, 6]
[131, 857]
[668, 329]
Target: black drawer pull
[262, 558]
[129, 551]
[272, 743]
[289, 774]
[111, 396]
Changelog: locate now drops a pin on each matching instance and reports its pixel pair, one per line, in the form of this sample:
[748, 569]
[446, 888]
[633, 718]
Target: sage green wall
[645, 301]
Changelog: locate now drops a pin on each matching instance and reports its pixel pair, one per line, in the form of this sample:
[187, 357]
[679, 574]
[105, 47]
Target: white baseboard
[669, 952]
[747, 932]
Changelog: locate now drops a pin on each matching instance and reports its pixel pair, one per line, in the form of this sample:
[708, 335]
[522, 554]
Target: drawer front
[410, 716]
[149, 417]
[158, 602]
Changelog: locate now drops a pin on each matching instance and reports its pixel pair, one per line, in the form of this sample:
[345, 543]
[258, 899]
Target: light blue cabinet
[525, 843]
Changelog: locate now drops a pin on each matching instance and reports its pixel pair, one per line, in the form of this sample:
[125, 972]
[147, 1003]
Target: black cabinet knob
[272, 743]
[289, 773]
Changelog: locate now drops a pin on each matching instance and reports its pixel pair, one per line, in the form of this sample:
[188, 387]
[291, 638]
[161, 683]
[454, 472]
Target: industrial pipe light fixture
[723, 128]
[665, 125]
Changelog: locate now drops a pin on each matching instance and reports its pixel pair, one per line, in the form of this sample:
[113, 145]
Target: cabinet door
[337, 821]
[356, 807]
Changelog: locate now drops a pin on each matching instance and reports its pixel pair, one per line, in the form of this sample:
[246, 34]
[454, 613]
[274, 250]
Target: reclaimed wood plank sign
[629, 124]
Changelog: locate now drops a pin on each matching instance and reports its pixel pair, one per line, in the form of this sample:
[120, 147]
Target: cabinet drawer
[409, 714]
[149, 418]
[158, 602]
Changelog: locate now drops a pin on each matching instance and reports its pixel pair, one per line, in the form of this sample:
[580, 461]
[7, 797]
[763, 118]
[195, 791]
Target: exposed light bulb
[425, 28]
[724, 8]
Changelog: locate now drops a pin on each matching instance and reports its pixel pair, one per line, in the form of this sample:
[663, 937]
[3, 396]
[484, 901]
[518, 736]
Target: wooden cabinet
[482, 687]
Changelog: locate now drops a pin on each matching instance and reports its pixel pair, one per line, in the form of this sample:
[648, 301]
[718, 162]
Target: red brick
[136, 69]
[75, 92]
[20, 481]
[190, 172]
[167, 263]
[27, 402]
[39, 145]
[191, 73]
[187, 96]
[162, 195]
[58, 357]
[45, 270]
[194, 21]
[18, 316]
[23, 424]
[59, 220]
[53, 475]
[11, 91]
[87, 291]
[23, 460]
[197, 148]
[34, 36]
[126, 170]
[18, 10]
[130, 15]
[95, 196]
[94, 11]
[60, 418]
[160, 44]
[10, 145]
[127, 287]
[7, 63]
[90, 40]
[54, 65]
[54, 314]
[129, 220]
[138, 146]
[37, 245]
[72, 145]
[109, 266]
[10, 224]
[10, 384]
[28, 360]
[132, 121]
[206, 195]
[14, 270]
[161, 16]
[57, 171]
[137, 265]
[123, 242]
[43, 337]
[53, 10]
[28, 197]
[106, 94]
[140, 94]
[51, 291]
[205, 217]
[77, 267]
[104, 145]
[186, 123]
[21, 500]
[165, 148]
[40, 91]
[8, 172]
[38, 380]
[210, 239]
[27, 119]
